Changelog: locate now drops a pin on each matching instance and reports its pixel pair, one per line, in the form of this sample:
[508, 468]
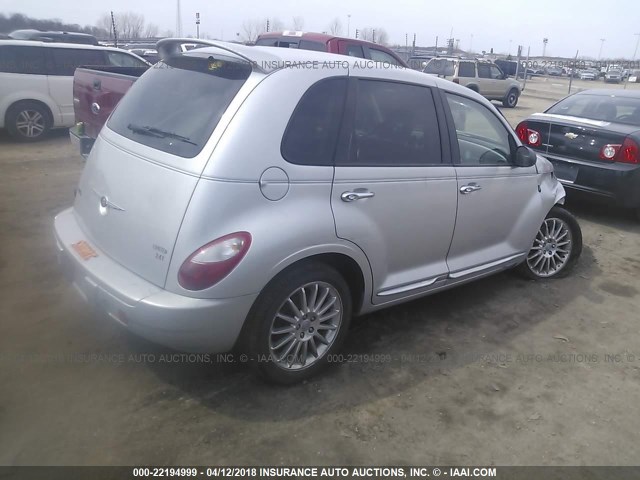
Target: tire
[511, 99]
[28, 121]
[299, 335]
[559, 220]
[474, 88]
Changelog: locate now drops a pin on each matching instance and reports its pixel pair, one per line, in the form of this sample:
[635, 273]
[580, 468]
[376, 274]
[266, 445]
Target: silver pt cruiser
[257, 198]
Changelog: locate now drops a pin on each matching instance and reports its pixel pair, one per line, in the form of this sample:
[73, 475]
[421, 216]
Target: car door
[499, 205]
[65, 61]
[498, 82]
[394, 190]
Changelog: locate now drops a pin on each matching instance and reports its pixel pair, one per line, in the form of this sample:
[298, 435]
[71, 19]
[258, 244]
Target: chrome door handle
[472, 187]
[356, 195]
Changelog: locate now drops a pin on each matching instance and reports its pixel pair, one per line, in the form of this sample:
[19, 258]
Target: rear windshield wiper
[156, 132]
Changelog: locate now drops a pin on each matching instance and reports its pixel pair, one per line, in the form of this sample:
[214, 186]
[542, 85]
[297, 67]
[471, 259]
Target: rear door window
[355, 51]
[25, 60]
[66, 60]
[177, 103]
[394, 125]
[467, 69]
[439, 66]
[311, 135]
[484, 70]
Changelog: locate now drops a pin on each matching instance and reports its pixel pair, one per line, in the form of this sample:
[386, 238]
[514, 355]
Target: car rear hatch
[142, 171]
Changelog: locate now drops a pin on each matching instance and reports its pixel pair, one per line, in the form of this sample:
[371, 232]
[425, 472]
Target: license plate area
[565, 171]
[84, 250]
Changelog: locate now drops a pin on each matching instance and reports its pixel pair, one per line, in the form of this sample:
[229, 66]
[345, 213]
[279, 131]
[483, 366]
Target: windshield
[177, 103]
[600, 107]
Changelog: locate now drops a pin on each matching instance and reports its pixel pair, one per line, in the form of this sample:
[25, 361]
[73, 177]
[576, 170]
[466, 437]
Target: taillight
[629, 152]
[528, 136]
[212, 262]
[609, 151]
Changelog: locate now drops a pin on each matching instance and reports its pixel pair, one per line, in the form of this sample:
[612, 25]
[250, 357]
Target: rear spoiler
[171, 46]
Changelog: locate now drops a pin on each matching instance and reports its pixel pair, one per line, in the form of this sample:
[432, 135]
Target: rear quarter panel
[15, 87]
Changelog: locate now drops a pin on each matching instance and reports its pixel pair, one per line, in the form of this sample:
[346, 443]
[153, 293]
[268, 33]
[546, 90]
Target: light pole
[544, 45]
[636, 50]
[510, 47]
[601, 45]
[471, 44]
[197, 25]
[348, 25]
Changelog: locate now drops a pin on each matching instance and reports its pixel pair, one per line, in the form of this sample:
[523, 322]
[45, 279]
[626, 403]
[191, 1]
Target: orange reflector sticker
[83, 249]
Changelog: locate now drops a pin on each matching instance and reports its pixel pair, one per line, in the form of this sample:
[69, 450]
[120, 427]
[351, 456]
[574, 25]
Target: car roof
[37, 43]
[270, 59]
[610, 92]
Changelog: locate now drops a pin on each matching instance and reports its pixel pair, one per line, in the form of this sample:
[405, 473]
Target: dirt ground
[503, 371]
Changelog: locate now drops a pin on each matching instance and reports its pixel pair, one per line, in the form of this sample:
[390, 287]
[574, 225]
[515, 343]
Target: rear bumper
[180, 322]
[616, 182]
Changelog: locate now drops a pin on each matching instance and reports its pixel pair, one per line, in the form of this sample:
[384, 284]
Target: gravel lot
[503, 371]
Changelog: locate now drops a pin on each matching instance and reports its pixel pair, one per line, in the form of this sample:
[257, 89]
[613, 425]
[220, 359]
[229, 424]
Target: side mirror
[525, 157]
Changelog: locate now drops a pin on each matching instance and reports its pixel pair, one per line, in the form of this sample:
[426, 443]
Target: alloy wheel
[30, 123]
[551, 248]
[305, 326]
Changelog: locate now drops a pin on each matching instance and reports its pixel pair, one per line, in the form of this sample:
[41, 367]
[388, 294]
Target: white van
[36, 82]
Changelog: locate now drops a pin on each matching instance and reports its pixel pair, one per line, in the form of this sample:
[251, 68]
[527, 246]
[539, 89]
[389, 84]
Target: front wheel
[28, 121]
[297, 322]
[511, 100]
[556, 248]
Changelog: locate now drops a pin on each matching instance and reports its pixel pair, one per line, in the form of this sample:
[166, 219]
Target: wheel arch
[38, 101]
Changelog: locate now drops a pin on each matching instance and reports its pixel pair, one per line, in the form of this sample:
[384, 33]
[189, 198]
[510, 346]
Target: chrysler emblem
[571, 136]
[106, 204]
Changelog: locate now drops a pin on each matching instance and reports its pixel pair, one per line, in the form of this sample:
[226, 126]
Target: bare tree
[104, 22]
[275, 24]
[335, 27]
[297, 23]
[151, 31]
[377, 35]
[130, 24]
[250, 30]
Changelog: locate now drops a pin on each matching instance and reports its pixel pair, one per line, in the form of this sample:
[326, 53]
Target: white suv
[36, 82]
[483, 77]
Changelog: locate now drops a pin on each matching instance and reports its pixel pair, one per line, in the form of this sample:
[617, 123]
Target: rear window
[315, 46]
[439, 66]
[176, 105]
[66, 60]
[600, 107]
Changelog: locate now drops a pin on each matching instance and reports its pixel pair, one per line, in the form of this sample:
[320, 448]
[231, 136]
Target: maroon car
[330, 43]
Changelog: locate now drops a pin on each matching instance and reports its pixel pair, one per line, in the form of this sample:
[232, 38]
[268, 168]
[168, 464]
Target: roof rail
[171, 45]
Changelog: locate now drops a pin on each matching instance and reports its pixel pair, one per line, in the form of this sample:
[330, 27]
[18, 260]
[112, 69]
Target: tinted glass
[380, 56]
[496, 73]
[19, 59]
[484, 70]
[482, 138]
[119, 59]
[309, 45]
[355, 51]
[394, 125]
[467, 69]
[177, 103]
[312, 132]
[600, 107]
[66, 60]
[439, 66]
[267, 42]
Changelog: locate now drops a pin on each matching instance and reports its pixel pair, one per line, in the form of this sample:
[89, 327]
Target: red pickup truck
[97, 90]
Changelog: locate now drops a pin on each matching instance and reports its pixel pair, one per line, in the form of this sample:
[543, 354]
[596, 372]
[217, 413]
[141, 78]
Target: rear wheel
[28, 121]
[511, 100]
[556, 248]
[297, 322]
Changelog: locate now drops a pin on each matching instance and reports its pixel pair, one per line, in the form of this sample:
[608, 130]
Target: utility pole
[602, 40]
[115, 32]
[374, 35]
[575, 62]
[348, 25]
[197, 25]
[178, 20]
[544, 46]
[471, 44]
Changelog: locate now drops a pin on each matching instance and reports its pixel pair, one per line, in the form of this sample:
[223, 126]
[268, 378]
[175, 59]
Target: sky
[569, 25]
